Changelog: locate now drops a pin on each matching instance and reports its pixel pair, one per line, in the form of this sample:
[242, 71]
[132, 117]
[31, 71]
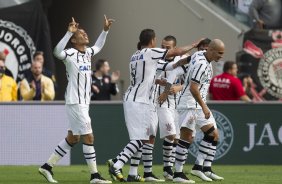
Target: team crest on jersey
[18, 46]
[270, 72]
[168, 127]
[226, 136]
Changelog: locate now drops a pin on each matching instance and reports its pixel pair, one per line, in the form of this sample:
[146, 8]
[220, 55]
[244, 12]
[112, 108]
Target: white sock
[90, 157]
[60, 151]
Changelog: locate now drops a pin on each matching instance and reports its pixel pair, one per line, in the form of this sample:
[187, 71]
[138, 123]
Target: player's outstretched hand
[73, 26]
[107, 23]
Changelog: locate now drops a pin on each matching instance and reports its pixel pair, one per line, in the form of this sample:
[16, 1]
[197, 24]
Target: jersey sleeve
[59, 51]
[175, 73]
[198, 72]
[99, 44]
[158, 54]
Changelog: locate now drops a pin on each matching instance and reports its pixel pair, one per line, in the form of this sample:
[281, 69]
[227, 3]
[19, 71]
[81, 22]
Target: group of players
[167, 88]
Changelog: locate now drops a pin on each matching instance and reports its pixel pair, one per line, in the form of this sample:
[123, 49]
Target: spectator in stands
[8, 86]
[39, 56]
[227, 86]
[247, 83]
[104, 85]
[37, 86]
[3, 58]
[266, 14]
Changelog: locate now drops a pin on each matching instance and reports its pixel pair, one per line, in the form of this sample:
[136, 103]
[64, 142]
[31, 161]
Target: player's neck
[207, 57]
[80, 48]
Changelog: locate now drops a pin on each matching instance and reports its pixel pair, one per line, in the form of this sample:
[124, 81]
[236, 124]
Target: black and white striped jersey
[172, 100]
[78, 69]
[200, 71]
[142, 67]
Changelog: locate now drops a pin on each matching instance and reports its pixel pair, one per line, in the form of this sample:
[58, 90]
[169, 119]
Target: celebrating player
[139, 110]
[196, 114]
[78, 68]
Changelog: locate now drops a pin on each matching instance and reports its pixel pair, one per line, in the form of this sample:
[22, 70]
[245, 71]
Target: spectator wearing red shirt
[227, 86]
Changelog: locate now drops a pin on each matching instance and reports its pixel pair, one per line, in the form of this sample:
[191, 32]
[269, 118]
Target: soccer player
[139, 111]
[196, 114]
[168, 129]
[78, 68]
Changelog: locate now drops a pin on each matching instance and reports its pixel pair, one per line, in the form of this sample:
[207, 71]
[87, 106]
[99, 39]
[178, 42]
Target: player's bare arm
[175, 89]
[194, 89]
[179, 51]
[164, 95]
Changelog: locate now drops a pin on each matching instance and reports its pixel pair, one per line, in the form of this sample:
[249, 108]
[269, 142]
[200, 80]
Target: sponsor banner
[23, 30]
[249, 134]
[262, 59]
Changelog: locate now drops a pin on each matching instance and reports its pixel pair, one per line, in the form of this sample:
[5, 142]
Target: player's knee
[88, 139]
[210, 135]
[73, 139]
[216, 135]
[152, 139]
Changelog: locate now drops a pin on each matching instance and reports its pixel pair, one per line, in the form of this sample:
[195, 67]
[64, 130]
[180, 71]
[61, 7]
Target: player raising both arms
[77, 96]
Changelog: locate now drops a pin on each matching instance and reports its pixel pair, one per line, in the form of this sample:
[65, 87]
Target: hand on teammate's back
[73, 26]
[107, 23]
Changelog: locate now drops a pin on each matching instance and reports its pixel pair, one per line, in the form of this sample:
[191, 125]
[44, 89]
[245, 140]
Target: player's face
[217, 53]
[203, 47]
[168, 44]
[154, 42]
[81, 37]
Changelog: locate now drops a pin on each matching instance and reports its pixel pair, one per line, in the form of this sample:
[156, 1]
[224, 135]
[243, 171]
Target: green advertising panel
[249, 134]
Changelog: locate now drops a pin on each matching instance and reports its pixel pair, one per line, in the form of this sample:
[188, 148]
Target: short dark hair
[228, 65]
[99, 63]
[146, 37]
[38, 53]
[205, 41]
[170, 38]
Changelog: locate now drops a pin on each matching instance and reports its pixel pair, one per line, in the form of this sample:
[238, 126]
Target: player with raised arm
[196, 114]
[78, 69]
[139, 110]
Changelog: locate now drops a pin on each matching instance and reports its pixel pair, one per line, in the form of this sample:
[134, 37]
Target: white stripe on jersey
[172, 99]
[78, 68]
[200, 71]
[142, 67]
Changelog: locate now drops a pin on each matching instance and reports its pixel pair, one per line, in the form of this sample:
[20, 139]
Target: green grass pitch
[78, 174]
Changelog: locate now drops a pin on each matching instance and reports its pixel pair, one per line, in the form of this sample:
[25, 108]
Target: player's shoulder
[90, 50]
[70, 51]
